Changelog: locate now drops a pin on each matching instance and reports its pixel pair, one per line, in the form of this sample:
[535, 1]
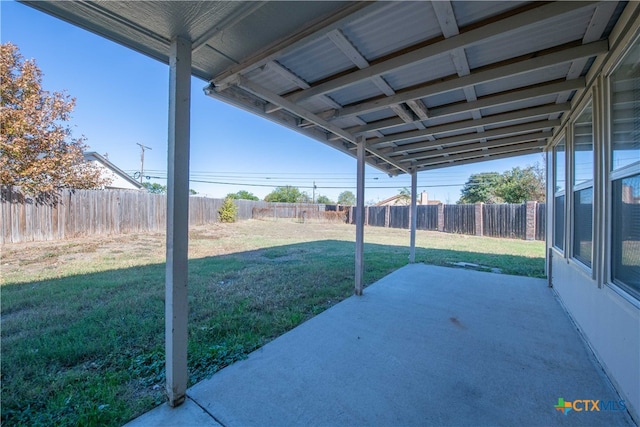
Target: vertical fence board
[460, 219]
[505, 220]
[427, 217]
[541, 216]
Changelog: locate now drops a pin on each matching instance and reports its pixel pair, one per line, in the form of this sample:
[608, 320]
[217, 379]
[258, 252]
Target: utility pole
[142, 148]
[313, 198]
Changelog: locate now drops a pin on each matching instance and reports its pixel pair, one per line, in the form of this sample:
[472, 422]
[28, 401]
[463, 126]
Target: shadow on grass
[89, 349]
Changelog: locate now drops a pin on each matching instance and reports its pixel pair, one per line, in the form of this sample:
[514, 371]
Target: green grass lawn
[83, 320]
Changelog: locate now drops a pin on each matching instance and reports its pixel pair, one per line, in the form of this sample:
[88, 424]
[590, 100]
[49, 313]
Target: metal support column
[413, 216]
[360, 216]
[176, 307]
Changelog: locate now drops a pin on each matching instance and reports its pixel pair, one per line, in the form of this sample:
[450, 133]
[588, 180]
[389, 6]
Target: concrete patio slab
[187, 414]
[425, 345]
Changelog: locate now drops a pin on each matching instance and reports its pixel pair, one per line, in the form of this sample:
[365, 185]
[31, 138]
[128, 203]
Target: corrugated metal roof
[392, 28]
[553, 32]
[336, 70]
[317, 60]
[520, 105]
[377, 115]
[425, 71]
[445, 98]
[524, 79]
[357, 92]
[469, 12]
[268, 77]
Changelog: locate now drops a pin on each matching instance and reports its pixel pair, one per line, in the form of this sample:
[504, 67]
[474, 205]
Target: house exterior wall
[609, 323]
[117, 182]
[607, 315]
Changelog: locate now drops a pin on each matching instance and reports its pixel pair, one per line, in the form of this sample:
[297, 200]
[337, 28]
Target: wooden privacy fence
[518, 221]
[299, 211]
[76, 213]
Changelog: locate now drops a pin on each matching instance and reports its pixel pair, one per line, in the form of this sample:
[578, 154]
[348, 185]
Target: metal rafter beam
[403, 112]
[447, 20]
[269, 96]
[488, 101]
[419, 109]
[484, 158]
[483, 153]
[544, 110]
[475, 146]
[468, 38]
[288, 75]
[309, 33]
[595, 29]
[393, 162]
[361, 62]
[470, 137]
[274, 98]
[534, 62]
[255, 105]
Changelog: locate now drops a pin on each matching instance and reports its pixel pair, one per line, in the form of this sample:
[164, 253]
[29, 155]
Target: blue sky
[122, 98]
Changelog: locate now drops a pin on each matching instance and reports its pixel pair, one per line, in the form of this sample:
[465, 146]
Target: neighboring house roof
[119, 178]
[398, 199]
[402, 200]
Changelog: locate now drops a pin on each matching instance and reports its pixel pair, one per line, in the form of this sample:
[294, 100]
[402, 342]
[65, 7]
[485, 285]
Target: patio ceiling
[427, 84]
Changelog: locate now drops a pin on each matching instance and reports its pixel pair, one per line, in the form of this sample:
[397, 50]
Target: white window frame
[562, 139]
[587, 101]
[611, 175]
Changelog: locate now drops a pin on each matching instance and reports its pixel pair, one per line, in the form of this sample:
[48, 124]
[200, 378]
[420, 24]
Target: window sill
[582, 268]
[624, 295]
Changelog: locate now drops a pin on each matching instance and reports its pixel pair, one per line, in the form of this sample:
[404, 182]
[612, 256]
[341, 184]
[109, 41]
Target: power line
[301, 186]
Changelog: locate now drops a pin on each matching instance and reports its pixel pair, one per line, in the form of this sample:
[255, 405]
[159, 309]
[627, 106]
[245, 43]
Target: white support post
[413, 216]
[360, 216]
[176, 307]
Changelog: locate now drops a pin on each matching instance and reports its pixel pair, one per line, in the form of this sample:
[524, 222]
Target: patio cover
[427, 84]
[402, 86]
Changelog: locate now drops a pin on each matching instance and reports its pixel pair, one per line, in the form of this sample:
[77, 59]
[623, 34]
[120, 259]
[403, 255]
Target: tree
[286, 194]
[243, 195]
[155, 188]
[347, 198]
[324, 200]
[513, 186]
[304, 198]
[37, 151]
[520, 185]
[480, 187]
[228, 212]
[404, 197]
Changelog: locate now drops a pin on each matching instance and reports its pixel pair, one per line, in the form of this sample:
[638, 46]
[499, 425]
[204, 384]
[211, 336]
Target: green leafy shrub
[228, 212]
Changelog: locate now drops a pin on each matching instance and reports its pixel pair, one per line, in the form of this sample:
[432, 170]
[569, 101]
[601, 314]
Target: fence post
[366, 215]
[387, 216]
[478, 218]
[531, 212]
[440, 217]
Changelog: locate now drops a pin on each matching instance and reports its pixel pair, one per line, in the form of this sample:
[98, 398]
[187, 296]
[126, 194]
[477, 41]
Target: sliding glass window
[625, 172]
[583, 186]
[559, 167]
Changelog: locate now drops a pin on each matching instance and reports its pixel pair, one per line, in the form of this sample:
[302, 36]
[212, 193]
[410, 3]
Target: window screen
[559, 158]
[583, 225]
[625, 110]
[625, 250]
